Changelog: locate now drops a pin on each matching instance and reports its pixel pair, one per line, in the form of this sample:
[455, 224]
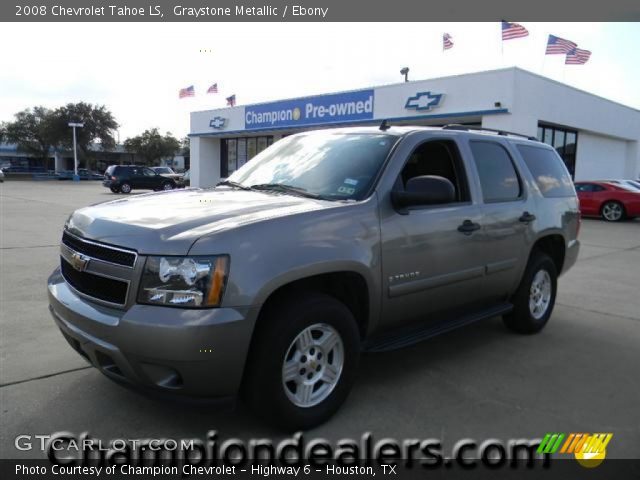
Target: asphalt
[581, 374]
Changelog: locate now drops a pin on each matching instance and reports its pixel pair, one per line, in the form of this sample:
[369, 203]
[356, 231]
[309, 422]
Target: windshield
[328, 165]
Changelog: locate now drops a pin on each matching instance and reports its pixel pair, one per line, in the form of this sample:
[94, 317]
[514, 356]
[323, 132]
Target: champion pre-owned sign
[335, 108]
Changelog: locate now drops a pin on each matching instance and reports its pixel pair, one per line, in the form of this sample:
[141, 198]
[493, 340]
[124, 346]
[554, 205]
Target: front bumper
[196, 354]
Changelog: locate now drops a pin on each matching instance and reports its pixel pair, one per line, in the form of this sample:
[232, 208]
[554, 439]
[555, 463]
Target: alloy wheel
[312, 365]
[540, 294]
[612, 211]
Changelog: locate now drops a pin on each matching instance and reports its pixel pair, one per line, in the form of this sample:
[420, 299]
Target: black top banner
[315, 11]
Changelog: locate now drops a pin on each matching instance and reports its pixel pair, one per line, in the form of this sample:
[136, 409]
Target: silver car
[325, 245]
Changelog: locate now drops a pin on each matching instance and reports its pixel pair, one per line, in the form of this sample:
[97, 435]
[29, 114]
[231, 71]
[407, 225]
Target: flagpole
[544, 55]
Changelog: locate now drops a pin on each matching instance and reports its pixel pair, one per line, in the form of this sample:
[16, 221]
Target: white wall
[599, 157]
[633, 160]
[205, 161]
[554, 102]
[462, 93]
[606, 129]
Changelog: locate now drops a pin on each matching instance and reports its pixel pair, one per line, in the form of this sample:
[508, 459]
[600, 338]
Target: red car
[611, 202]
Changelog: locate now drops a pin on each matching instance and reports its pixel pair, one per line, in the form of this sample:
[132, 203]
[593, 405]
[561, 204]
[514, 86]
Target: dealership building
[597, 138]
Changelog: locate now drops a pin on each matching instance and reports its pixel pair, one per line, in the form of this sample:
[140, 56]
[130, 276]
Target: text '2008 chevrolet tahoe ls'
[326, 244]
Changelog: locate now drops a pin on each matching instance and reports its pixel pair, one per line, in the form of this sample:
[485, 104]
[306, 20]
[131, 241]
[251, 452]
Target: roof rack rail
[455, 126]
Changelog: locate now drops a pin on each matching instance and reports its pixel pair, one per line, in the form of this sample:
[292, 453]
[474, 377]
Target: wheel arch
[554, 245]
[614, 200]
[348, 286]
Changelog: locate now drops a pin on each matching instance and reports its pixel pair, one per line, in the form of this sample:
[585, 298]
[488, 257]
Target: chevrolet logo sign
[79, 261]
[217, 123]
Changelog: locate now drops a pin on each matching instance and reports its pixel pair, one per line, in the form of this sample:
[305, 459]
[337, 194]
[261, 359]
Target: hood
[168, 223]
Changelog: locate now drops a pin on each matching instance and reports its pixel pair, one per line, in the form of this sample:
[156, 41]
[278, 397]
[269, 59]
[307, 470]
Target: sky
[137, 69]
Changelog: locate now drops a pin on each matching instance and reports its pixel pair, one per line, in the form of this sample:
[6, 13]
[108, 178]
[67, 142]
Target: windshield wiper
[281, 187]
[229, 183]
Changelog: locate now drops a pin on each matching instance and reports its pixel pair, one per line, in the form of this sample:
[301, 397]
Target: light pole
[405, 72]
[75, 150]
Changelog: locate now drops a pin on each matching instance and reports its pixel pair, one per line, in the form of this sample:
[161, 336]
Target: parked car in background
[186, 179]
[86, 174]
[1, 176]
[169, 173]
[608, 200]
[632, 184]
[124, 178]
[83, 173]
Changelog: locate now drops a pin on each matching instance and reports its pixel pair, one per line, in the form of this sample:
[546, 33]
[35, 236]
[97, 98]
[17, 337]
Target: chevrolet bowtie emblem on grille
[79, 261]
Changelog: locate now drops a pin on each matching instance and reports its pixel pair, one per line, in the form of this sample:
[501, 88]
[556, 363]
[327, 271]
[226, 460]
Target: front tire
[535, 298]
[612, 211]
[167, 186]
[304, 359]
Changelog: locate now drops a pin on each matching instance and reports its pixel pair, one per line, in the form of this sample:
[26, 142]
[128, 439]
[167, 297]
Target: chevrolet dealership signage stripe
[324, 109]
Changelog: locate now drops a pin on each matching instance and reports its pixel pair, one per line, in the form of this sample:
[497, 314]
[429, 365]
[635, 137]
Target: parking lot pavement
[582, 373]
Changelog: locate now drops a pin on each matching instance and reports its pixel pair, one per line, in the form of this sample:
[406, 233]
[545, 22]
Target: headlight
[184, 281]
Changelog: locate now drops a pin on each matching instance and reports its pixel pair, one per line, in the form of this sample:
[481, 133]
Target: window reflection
[564, 141]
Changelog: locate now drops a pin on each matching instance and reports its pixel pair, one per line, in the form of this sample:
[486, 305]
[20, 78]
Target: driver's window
[149, 173]
[440, 158]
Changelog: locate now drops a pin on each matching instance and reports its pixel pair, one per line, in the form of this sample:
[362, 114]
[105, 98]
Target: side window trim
[523, 194]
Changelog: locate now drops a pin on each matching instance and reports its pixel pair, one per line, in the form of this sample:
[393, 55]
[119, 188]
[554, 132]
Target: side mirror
[424, 190]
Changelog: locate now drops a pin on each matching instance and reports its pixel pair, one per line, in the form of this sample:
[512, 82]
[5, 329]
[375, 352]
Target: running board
[409, 336]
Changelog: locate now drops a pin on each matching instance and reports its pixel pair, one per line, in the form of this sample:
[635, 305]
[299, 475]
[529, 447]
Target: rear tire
[612, 211]
[114, 189]
[534, 300]
[125, 188]
[304, 358]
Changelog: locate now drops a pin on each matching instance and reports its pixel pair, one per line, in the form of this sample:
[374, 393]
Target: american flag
[559, 45]
[213, 88]
[577, 56]
[447, 41]
[231, 101]
[513, 30]
[187, 92]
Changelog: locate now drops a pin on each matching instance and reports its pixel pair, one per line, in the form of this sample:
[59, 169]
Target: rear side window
[109, 170]
[498, 177]
[548, 170]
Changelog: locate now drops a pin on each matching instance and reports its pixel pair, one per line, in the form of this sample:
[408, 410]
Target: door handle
[468, 227]
[527, 217]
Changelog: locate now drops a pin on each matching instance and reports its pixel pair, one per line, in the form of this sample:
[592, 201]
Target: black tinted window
[584, 187]
[548, 170]
[498, 176]
[440, 158]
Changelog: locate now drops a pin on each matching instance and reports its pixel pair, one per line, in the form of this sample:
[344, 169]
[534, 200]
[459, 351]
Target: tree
[99, 125]
[152, 146]
[186, 147]
[34, 132]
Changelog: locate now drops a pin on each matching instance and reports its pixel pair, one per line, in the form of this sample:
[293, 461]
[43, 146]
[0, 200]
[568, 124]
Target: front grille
[101, 252]
[102, 288]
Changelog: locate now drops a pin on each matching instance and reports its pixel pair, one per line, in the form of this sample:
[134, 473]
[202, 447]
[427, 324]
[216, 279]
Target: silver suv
[327, 244]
